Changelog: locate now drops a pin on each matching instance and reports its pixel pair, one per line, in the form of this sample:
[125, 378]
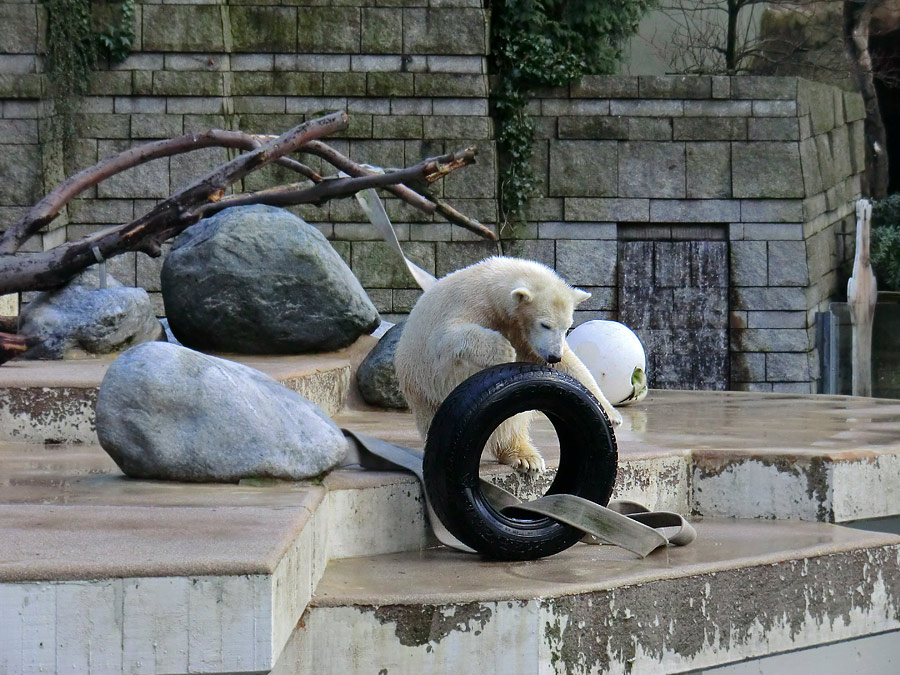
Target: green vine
[74, 46]
[546, 44]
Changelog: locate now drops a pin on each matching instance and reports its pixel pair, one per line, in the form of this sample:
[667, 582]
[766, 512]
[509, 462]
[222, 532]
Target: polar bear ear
[521, 294]
[580, 295]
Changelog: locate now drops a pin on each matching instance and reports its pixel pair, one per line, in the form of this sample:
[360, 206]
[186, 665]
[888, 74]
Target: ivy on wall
[546, 43]
[74, 46]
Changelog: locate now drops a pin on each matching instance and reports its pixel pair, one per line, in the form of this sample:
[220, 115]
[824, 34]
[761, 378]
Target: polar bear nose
[554, 358]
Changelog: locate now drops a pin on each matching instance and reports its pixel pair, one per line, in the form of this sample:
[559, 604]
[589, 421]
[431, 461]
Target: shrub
[885, 246]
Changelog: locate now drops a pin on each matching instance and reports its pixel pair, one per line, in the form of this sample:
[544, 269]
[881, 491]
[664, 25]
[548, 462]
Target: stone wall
[768, 168]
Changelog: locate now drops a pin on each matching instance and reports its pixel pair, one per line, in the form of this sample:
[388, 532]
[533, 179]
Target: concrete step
[744, 589]
[53, 401]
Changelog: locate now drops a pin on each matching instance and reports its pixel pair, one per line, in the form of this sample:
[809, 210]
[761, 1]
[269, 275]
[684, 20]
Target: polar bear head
[543, 310]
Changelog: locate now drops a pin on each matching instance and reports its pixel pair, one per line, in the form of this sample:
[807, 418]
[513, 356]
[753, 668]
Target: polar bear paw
[522, 458]
[615, 417]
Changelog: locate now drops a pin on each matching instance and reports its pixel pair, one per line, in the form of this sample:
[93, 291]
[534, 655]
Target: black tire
[461, 427]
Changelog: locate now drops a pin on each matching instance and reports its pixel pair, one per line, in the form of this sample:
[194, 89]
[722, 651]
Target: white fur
[496, 311]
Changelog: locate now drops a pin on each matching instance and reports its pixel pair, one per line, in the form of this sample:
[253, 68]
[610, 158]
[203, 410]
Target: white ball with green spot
[615, 357]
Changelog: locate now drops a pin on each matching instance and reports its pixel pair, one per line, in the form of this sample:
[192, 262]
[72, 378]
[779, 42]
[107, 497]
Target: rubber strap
[626, 524]
[373, 207]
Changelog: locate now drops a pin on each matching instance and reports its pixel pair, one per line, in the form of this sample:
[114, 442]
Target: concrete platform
[745, 589]
[103, 574]
[53, 401]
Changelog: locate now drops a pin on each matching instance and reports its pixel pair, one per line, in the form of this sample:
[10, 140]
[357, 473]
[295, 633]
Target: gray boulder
[166, 412]
[376, 376]
[81, 318]
[258, 280]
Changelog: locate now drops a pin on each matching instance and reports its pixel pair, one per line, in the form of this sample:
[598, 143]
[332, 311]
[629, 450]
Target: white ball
[612, 352]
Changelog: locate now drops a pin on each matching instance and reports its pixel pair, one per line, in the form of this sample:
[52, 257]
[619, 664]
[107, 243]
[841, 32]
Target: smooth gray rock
[170, 413]
[376, 376]
[258, 280]
[82, 318]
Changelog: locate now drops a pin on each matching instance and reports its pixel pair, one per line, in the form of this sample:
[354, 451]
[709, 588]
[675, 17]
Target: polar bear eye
[546, 326]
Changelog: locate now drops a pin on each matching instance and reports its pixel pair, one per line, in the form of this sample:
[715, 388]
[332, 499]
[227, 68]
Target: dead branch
[411, 197]
[50, 206]
[11, 346]
[205, 197]
[430, 170]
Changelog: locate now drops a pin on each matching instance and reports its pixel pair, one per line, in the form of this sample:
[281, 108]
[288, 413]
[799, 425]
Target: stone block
[647, 108]
[425, 31]
[817, 100]
[369, 63]
[773, 129]
[264, 29]
[431, 232]
[384, 153]
[186, 168]
[390, 84]
[531, 249]
[585, 262]
[809, 161]
[774, 108]
[343, 84]
[187, 83]
[97, 211]
[456, 127]
[182, 28]
[593, 127]
[556, 107]
[607, 210]
[787, 263]
[376, 265]
[604, 86]
[767, 87]
[854, 107]
[776, 320]
[145, 181]
[251, 62]
[450, 85]
[382, 30]
[718, 108]
[583, 169]
[825, 153]
[460, 106]
[857, 147]
[451, 256]
[18, 132]
[312, 63]
[649, 169]
[785, 298]
[477, 180]
[403, 299]
[328, 30]
[787, 367]
[20, 85]
[674, 86]
[771, 340]
[710, 129]
[19, 28]
[563, 230]
[748, 367]
[749, 263]
[110, 83]
[693, 210]
[649, 129]
[456, 64]
[671, 264]
[708, 168]
[20, 166]
[773, 231]
[840, 146]
[766, 170]
[397, 126]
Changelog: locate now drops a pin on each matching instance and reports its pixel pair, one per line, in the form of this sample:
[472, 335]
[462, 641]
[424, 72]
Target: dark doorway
[674, 294]
[885, 50]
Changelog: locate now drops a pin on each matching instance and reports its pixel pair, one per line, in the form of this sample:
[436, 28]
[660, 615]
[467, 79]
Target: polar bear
[496, 311]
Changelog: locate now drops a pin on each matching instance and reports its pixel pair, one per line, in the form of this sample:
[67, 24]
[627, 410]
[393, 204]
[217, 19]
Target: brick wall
[770, 167]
